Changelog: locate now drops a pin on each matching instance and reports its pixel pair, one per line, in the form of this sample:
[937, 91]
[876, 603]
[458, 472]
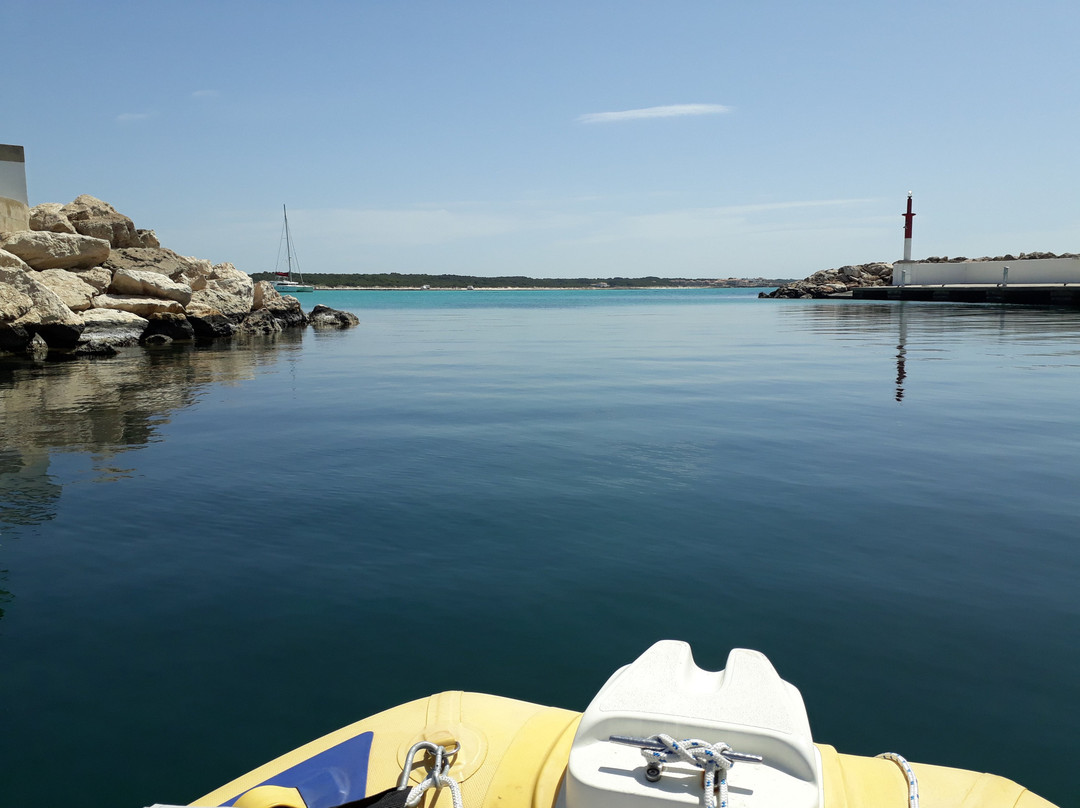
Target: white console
[747, 706]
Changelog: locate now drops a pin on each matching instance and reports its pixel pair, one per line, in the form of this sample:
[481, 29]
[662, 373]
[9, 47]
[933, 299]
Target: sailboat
[288, 285]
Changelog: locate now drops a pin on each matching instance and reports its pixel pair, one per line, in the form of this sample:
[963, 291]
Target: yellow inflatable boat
[662, 733]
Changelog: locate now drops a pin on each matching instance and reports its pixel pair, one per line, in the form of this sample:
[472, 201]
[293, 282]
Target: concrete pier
[14, 207]
[1032, 294]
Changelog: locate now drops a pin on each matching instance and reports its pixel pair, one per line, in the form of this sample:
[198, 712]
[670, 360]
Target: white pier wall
[1034, 270]
[14, 207]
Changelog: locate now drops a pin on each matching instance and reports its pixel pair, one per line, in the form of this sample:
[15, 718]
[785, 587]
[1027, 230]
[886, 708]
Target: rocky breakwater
[84, 280]
[831, 282]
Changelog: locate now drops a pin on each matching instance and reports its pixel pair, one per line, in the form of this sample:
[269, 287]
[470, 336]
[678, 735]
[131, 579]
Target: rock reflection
[28, 495]
[104, 408]
[5, 596]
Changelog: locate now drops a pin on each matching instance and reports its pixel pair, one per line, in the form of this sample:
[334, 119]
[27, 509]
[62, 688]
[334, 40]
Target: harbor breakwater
[1028, 268]
[84, 280]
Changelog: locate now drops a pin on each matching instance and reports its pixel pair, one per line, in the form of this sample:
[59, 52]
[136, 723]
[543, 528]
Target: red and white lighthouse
[907, 229]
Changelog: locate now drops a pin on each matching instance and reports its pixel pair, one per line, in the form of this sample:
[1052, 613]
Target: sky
[676, 138]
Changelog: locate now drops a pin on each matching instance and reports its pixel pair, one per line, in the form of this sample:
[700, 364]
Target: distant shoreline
[319, 288]
[419, 281]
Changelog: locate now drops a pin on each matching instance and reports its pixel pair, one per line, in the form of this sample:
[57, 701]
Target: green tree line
[396, 280]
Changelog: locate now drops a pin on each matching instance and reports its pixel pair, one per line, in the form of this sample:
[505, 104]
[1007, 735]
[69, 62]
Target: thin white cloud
[205, 94]
[131, 117]
[669, 111]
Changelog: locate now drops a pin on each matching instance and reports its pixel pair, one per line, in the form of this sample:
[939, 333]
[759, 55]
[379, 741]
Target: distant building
[14, 204]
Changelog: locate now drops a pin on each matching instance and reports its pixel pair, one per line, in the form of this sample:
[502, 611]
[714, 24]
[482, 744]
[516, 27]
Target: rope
[435, 780]
[703, 755]
[913, 781]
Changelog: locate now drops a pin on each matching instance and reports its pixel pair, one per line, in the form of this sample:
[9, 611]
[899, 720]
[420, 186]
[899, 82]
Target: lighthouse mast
[907, 229]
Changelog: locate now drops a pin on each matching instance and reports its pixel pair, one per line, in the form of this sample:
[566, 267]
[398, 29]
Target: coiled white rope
[913, 781]
[435, 780]
[703, 755]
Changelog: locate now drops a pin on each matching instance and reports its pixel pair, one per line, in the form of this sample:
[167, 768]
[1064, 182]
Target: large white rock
[50, 217]
[266, 297]
[69, 287]
[285, 308]
[227, 291]
[98, 277]
[151, 284]
[13, 261]
[46, 306]
[112, 326]
[14, 303]
[91, 216]
[137, 304]
[148, 238]
[42, 250]
[178, 267]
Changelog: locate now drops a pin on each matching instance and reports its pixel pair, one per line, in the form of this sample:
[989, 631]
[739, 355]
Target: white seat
[747, 706]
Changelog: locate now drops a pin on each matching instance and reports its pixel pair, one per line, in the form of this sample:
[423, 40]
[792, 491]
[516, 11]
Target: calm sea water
[214, 555]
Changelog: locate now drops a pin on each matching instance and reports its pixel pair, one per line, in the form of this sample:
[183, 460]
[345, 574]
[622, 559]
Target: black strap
[391, 798]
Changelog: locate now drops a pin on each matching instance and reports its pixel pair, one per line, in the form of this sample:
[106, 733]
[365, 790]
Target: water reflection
[27, 494]
[5, 596]
[105, 408]
[901, 357]
[1047, 336]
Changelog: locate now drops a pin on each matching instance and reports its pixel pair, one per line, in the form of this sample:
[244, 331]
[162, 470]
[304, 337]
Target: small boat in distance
[287, 285]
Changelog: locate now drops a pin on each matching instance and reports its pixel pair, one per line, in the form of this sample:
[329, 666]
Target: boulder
[69, 287]
[95, 348]
[195, 273]
[16, 339]
[50, 217]
[151, 284]
[38, 347]
[829, 282]
[285, 308]
[291, 315]
[266, 296]
[160, 260]
[228, 291]
[43, 250]
[141, 305]
[59, 336]
[172, 327]
[47, 306]
[261, 321]
[14, 302]
[112, 327]
[211, 326]
[92, 217]
[13, 261]
[47, 315]
[325, 317]
[98, 277]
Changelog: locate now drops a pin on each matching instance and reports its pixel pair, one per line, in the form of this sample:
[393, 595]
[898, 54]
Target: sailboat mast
[288, 244]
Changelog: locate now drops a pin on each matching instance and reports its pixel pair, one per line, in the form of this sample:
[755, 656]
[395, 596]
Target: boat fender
[270, 797]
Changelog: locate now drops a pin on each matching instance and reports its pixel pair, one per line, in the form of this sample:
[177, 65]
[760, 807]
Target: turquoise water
[214, 555]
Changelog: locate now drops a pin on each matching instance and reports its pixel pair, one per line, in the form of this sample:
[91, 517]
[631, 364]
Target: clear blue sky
[456, 136]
